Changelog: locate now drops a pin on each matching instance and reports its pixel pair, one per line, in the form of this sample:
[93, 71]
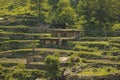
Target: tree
[65, 15]
[54, 4]
[53, 66]
[43, 9]
[97, 13]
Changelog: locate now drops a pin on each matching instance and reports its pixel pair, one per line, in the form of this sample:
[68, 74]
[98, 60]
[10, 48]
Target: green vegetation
[92, 56]
[97, 18]
[86, 56]
[53, 66]
[18, 74]
[16, 44]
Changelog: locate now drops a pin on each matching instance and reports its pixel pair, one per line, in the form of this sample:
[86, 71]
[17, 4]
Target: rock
[1, 19]
[67, 72]
[38, 79]
[63, 59]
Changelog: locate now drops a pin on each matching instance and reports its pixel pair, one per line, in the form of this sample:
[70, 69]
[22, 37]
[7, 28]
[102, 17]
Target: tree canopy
[87, 14]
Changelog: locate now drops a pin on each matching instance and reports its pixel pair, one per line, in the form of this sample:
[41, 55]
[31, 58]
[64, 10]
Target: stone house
[61, 36]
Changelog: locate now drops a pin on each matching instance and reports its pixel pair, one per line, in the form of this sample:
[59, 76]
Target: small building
[67, 32]
[54, 40]
[61, 36]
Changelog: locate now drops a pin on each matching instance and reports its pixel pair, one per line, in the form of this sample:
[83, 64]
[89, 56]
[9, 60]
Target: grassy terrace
[103, 61]
[97, 38]
[87, 56]
[99, 71]
[17, 44]
[11, 33]
[4, 60]
[38, 49]
[89, 48]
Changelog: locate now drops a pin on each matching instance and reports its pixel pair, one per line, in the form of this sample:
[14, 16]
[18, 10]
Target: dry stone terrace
[85, 57]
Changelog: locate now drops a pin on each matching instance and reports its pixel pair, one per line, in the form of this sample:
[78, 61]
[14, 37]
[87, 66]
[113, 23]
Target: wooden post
[60, 42]
[59, 35]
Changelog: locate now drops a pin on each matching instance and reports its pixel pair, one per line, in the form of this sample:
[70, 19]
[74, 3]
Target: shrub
[21, 66]
[74, 58]
[53, 66]
[21, 75]
[116, 27]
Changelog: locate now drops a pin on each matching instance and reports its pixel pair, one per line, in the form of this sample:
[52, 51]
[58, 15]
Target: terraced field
[85, 58]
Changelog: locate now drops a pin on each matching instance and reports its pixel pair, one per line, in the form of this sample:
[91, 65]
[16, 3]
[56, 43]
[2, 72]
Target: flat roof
[55, 38]
[66, 30]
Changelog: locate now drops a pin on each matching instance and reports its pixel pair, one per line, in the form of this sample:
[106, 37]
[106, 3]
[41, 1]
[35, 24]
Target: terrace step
[26, 36]
[22, 53]
[103, 61]
[5, 60]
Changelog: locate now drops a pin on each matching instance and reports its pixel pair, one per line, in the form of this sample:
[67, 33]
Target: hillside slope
[13, 7]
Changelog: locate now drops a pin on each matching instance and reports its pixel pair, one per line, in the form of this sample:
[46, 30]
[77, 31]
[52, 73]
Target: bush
[22, 75]
[116, 27]
[74, 58]
[53, 66]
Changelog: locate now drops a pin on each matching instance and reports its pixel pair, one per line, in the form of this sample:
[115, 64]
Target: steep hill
[13, 7]
[96, 58]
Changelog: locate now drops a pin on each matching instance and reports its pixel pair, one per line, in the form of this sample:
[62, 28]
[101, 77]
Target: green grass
[97, 38]
[98, 71]
[17, 8]
[20, 74]
[18, 44]
[23, 36]
[103, 61]
[5, 60]
[101, 55]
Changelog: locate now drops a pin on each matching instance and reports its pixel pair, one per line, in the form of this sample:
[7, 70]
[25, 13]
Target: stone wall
[115, 76]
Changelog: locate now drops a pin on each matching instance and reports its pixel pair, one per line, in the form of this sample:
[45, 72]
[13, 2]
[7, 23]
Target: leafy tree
[97, 13]
[65, 15]
[43, 9]
[54, 4]
[74, 3]
[53, 66]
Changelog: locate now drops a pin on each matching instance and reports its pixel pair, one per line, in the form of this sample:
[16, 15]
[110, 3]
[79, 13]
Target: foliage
[16, 44]
[18, 74]
[53, 66]
[98, 71]
[97, 16]
[74, 59]
[43, 9]
[65, 15]
[116, 27]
